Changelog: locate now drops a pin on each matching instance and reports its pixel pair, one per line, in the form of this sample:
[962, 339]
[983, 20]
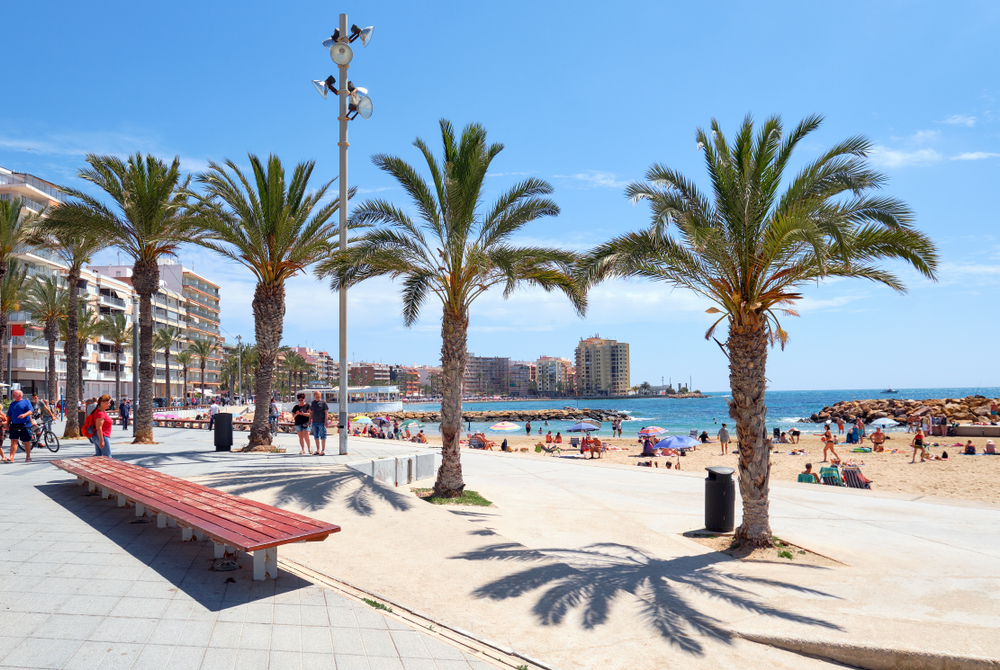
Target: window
[118, 273]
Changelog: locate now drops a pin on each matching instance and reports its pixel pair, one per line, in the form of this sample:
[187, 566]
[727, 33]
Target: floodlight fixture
[362, 107]
[324, 85]
[341, 53]
[364, 33]
[333, 39]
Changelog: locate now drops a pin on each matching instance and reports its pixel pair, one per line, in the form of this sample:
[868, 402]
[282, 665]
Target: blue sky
[585, 95]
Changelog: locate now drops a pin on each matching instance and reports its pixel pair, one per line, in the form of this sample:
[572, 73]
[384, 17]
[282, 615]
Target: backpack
[88, 426]
[970, 450]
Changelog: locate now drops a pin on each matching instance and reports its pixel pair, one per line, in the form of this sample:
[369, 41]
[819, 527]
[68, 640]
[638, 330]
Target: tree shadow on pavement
[593, 577]
[311, 488]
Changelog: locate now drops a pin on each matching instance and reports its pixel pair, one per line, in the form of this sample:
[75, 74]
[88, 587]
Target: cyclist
[48, 415]
[272, 417]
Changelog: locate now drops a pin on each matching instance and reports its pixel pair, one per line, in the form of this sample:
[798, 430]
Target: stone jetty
[973, 408]
[516, 415]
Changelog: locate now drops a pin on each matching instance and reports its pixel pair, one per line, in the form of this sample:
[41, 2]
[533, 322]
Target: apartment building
[428, 375]
[189, 303]
[486, 375]
[602, 367]
[523, 379]
[552, 375]
[406, 379]
[368, 374]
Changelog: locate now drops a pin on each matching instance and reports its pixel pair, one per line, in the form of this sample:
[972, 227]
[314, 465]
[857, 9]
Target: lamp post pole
[343, 144]
[135, 359]
[239, 367]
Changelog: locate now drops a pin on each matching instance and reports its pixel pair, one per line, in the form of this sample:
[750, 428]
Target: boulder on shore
[968, 409]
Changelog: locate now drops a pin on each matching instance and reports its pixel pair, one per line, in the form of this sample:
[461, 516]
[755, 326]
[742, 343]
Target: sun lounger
[694, 433]
[831, 477]
[574, 442]
[854, 479]
[806, 479]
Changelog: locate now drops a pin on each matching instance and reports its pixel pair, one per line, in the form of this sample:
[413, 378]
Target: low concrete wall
[977, 431]
[400, 470]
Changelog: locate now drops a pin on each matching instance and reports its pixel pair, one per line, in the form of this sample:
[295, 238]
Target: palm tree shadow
[592, 578]
[312, 488]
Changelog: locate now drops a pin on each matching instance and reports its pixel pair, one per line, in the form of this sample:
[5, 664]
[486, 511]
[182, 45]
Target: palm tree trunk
[145, 281]
[71, 353]
[203, 380]
[269, 320]
[747, 359]
[454, 339]
[166, 360]
[118, 374]
[83, 348]
[51, 333]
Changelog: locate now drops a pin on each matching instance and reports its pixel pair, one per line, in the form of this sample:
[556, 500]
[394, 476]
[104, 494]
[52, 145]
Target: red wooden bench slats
[238, 522]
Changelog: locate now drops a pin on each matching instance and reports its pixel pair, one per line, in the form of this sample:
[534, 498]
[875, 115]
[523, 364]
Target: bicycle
[43, 436]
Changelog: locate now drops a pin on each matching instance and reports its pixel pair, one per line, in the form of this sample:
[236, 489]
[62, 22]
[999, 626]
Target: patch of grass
[522, 667]
[786, 554]
[377, 605]
[467, 498]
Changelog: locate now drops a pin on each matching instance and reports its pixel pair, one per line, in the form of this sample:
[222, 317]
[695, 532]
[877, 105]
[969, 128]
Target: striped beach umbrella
[411, 423]
[505, 427]
[362, 419]
[652, 430]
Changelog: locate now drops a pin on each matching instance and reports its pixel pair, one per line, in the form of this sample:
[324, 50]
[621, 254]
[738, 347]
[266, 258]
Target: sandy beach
[963, 477]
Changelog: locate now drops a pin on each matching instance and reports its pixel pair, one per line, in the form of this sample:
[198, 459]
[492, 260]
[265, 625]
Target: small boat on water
[569, 408]
[889, 391]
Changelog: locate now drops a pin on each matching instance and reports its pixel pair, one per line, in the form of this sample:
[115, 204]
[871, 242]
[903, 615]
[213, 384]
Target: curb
[874, 658]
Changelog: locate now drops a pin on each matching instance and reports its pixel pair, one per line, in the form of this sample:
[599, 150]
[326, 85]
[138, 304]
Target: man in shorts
[213, 411]
[724, 440]
[993, 412]
[300, 413]
[20, 412]
[319, 410]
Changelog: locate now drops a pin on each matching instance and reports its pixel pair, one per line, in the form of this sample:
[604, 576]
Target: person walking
[124, 410]
[318, 409]
[272, 416]
[48, 414]
[300, 413]
[724, 440]
[828, 444]
[20, 412]
[98, 427]
[840, 425]
[527, 428]
[213, 411]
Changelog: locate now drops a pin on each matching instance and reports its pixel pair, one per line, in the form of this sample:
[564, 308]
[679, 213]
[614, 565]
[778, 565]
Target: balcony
[111, 301]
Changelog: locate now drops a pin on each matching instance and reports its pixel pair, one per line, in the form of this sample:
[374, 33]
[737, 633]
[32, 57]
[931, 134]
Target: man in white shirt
[212, 411]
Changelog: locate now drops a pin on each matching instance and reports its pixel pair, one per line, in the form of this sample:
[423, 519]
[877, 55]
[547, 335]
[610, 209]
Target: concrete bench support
[122, 501]
[140, 509]
[161, 520]
[187, 535]
[265, 564]
[171, 523]
[105, 494]
[91, 487]
[222, 549]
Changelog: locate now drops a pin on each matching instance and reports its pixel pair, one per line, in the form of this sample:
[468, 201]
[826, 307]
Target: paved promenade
[83, 584]
[577, 565]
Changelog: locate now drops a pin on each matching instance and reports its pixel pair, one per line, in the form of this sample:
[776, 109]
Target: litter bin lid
[721, 471]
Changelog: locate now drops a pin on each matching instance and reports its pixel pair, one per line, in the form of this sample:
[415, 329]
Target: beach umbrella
[582, 427]
[505, 427]
[362, 419]
[595, 422]
[382, 420]
[884, 423]
[652, 430]
[677, 442]
[411, 423]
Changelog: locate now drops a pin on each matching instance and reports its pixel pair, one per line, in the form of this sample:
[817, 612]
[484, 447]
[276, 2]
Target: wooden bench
[231, 522]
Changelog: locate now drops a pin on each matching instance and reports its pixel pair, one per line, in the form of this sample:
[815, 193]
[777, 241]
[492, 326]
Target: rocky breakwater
[518, 416]
[970, 409]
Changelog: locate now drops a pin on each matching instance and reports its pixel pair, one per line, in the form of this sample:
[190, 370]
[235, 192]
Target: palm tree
[297, 366]
[47, 302]
[457, 251]
[184, 359]
[88, 329]
[116, 328]
[203, 350]
[149, 221]
[75, 248]
[165, 338]
[11, 284]
[275, 230]
[749, 250]
[18, 227]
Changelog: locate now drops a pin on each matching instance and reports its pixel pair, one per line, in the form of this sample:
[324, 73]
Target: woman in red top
[102, 426]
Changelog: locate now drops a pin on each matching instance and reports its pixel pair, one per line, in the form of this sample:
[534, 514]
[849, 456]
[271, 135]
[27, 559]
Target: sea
[681, 415]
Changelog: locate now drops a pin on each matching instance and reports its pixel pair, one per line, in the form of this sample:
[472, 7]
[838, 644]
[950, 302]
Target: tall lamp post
[353, 101]
[135, 359]
[239, 367]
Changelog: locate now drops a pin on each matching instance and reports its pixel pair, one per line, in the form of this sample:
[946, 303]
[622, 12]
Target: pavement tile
[378, 643]
[252, 659]
[8, 643]
[419, 664]
[41, 653]
[386, 663]
[347, 641]
[476, 664]
[410, 644]
[351, 662]
[152, 608]
[316, 640]
[290, 660]
[231, 613]
[313, 615]
[186, 658]
[68, 627]
[449, 664]
[320, 662]
[255, 636]
[196, 633]
[286, 638]
[442, 651]
[100, 605]
[226, 635]
[342, 617]
[220, 659]
[104, 587]
[39, 602]
[260, 612]
[285, 613]
[368, 618]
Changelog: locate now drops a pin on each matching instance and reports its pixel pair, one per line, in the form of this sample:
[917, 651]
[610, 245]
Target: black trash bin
[720, 500]
[81, 416]
[223, 431]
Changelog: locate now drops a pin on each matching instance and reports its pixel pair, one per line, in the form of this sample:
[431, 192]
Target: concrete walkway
[84, 584]
[579, 565]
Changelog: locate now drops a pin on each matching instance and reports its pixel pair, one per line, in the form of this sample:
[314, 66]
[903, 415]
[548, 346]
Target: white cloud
[592, 179]
[882, 155]
[507, 174]
[975, 156]
[960, 120]
[362, 191]
[920, 137]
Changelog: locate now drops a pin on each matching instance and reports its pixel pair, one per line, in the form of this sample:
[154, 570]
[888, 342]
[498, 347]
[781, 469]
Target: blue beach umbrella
[677, 442]
[582, 427]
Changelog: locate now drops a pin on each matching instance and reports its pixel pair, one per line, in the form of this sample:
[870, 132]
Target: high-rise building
[602, 367]
[552, 375]
[523, 379]
[486, 375]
